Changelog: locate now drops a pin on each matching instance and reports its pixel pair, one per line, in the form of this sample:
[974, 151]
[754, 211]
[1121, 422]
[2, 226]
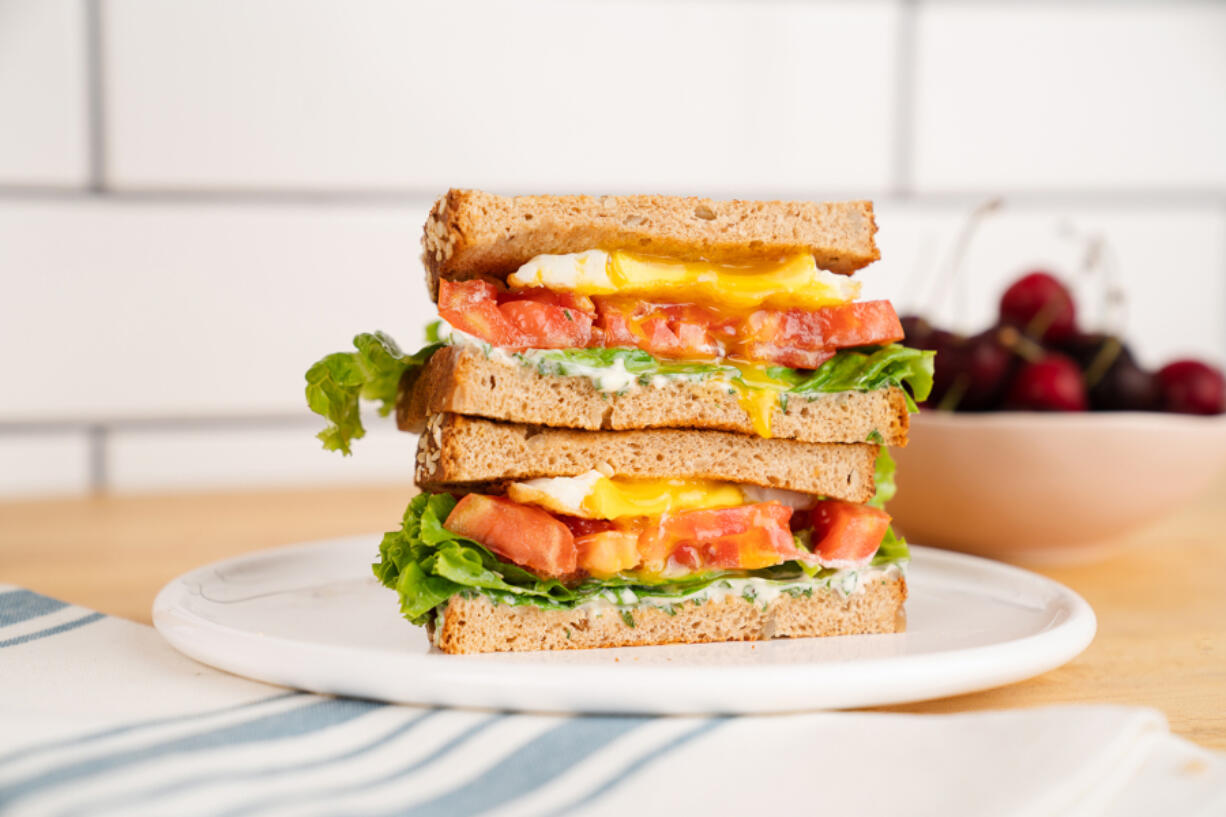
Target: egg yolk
[613, 497]
[791, 281]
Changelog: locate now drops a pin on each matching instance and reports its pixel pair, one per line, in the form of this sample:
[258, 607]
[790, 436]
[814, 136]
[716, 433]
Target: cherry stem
[1019, 344]
[1107, 355]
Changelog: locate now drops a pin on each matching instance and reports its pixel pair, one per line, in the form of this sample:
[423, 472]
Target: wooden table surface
[1160, 599]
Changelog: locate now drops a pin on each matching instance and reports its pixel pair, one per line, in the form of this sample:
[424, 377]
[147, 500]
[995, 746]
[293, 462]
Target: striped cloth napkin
[98, 716]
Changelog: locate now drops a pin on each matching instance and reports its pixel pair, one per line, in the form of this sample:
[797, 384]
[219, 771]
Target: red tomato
[607, 553]
[664, 330]
[746, 537]
[535, 318]
[567, 300]
[805, 339]
[539, 318]
[547, 326]
[527, 536]
[472, 307]
[615, 325]
[846, 533]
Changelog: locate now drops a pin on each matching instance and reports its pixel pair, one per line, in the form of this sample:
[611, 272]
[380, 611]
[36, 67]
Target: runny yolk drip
[758, 394]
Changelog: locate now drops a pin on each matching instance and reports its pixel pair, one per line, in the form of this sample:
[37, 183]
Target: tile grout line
[98, 461]
[905, 48]
[1211, 196]
[95, 96]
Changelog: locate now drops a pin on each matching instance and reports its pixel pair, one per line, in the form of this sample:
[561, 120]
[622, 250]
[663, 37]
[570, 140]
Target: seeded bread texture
[461, 380]
[470, 233]
[455, 450]
[474, 625]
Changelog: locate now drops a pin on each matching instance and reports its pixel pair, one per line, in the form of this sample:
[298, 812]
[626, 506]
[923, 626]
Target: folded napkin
[99, 716]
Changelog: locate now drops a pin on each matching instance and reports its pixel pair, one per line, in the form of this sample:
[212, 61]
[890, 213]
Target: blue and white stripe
[268, 752]
[99, 717]
[26, 616]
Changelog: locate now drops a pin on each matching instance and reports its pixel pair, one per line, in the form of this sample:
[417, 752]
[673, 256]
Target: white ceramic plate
[313, 617]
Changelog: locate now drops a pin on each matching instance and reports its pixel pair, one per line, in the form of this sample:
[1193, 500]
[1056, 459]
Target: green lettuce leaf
[865, 370]
[373, 372]
[893, 548]
[883, 479]
[849, 370]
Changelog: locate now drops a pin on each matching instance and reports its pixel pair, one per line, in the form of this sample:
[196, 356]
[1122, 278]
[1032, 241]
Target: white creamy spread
[763, 592]
[613, 379]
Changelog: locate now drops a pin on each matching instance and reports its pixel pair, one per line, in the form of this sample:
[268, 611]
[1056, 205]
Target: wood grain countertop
[1160, 598]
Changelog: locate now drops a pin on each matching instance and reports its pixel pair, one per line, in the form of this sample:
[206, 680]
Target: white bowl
[1026, 485]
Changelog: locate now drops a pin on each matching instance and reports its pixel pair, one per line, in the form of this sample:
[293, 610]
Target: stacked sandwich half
[642, 420]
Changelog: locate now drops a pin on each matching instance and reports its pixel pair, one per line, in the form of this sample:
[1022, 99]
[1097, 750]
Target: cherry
[1192, 387]
[1051, 383]
[1126, 387]
[989, 362]
[1041, 306]
[949, 363]
[916, 331]
[1115, 381]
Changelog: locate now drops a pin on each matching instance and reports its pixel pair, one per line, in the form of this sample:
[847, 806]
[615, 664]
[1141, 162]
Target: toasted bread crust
[460, 380]
[474, 625]
[455, 451]
[470, 233]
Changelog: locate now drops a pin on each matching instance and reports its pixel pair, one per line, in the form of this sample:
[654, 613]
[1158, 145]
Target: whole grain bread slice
[462, 380]
[455, 451]
[474, 625]
[470, 233]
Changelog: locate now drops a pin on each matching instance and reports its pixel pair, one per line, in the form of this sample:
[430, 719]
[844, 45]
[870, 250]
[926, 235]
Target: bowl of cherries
[1041, 441]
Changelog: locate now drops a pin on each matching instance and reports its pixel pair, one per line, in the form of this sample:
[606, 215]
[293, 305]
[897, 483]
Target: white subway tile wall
[215, 459]
[50, 462]
[43, 105]
[1168, 261]
[507, 96]
[143, 309]
[214, 194]
[1065, 95]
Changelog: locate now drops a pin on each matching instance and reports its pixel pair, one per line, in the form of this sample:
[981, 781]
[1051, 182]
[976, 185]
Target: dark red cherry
[1192, 387]
[989, 362]
[1051, 383]
[1040, 306]
[916, 331]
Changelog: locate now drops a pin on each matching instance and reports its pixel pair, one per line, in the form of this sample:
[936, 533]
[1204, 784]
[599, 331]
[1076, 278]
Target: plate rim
[459, 680]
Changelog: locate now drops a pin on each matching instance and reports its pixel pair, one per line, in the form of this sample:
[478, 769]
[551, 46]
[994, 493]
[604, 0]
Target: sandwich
[642, 420]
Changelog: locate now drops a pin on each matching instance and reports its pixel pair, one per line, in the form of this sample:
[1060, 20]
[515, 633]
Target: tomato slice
[607, 553]
[566, 300]
[542, 319]
[548, 326]
[664, 330]
[527, 536]
[746, 537]
[472, 307]
[847, 534]
[805, 339]
[537, 319]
